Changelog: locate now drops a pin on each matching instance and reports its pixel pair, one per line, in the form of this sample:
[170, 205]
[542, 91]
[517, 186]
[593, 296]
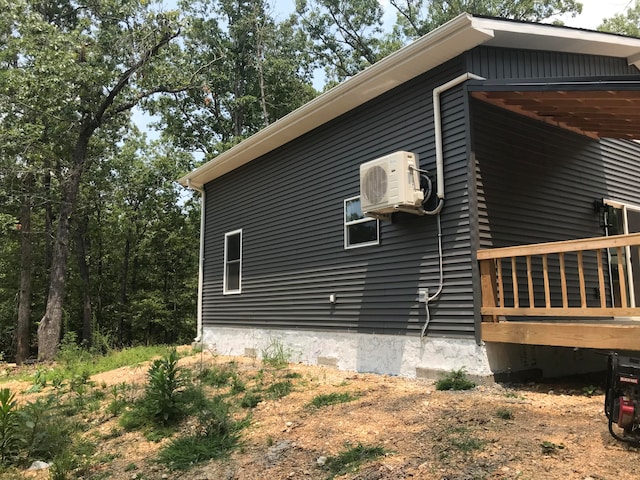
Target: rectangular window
[232, 262]
[359, 231]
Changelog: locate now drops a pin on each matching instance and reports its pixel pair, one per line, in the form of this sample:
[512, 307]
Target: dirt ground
[495, 431]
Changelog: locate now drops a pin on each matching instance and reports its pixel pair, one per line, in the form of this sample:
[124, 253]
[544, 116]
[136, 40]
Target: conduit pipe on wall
[437, 126]
[200, 261]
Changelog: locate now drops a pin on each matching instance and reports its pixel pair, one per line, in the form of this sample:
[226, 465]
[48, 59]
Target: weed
[250, 400]
[350, 459]
[217, 435]
[455, 380]
[217, 377]
[162, 392]
[276, 354]
[279, 389]
[504, 413]
[39, 381]
[331, 399]
[237, 386]
[549, 448]
[130, 466]
[590, 390]
[10, 438]
[293, 375]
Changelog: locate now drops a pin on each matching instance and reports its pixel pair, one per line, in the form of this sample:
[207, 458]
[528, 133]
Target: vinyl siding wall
[289, 205]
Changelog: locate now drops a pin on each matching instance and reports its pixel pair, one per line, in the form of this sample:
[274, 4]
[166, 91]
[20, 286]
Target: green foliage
[279, 389]
[455, 380]
[250, 400]
[217, 436]
[276, 354]
[10, 435]
[549, 448]
[504, 413]
[334, 398]
[590, 390]
[162, 396]
[218, 376]
[350, 459]
[625, 24]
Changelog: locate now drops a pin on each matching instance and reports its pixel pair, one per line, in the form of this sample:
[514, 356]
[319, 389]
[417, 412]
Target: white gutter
[200, 261]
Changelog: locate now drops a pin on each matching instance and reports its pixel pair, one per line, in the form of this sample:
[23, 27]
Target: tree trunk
[81, 251]
[26, 283]
[51, 323]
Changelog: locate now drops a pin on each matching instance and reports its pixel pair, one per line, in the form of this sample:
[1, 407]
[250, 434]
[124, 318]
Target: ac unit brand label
[629, 380]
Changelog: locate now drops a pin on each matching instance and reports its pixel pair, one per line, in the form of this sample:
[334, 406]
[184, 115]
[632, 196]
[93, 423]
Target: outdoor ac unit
[391, 183]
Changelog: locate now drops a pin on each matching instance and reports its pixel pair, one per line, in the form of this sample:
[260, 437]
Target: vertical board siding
[289, 204]
[504, 63]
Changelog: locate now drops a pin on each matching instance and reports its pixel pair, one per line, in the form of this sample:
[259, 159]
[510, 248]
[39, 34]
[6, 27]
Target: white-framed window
[359, 231]
[232, 281]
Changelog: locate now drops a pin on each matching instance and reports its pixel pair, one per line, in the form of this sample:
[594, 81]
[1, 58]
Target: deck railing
[589, 277]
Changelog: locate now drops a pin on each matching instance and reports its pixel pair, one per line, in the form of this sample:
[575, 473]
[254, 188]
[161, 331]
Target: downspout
[200, 261]
[437, 126]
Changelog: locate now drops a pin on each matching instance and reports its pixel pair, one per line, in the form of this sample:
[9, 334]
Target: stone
[321, 460]
[39, 465]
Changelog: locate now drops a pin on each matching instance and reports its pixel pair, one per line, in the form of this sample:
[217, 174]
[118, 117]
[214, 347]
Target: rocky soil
[494, 431]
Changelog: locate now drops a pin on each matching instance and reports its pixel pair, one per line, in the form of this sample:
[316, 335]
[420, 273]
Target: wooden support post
[547, 289]
[583, 292]
[514, 278]
[532, 300]
[488, 285]
[622, 278]
[563, 281]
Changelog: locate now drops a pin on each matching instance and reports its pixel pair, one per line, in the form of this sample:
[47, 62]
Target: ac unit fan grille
[374, 186]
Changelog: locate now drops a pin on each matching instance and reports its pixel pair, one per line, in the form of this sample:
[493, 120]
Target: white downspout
[200, 261]
[437, 126]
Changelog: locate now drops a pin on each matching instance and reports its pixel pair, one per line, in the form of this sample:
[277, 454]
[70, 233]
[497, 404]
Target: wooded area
[96, 238]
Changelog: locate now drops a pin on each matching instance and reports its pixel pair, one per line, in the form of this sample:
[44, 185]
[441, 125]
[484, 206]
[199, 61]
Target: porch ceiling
[595, 108]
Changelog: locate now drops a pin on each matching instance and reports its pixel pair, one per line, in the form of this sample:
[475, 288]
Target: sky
[593, 12]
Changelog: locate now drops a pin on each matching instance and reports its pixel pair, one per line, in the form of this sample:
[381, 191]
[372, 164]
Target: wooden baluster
[603, 296]
[563, 281]
[500, 283]
[583, 292]
[545, 273]
[621, 278]
[514, 277]
[530, 283]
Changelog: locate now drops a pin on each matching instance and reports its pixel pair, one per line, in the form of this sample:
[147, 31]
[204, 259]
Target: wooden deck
[577, 293]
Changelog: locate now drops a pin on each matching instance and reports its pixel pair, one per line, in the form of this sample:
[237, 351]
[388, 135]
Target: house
[524, 250]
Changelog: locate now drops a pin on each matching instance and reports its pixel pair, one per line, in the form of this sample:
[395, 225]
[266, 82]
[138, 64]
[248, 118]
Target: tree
[625, 24]
[418, 17]
[82, 67]
[347, 34]
[262, 73]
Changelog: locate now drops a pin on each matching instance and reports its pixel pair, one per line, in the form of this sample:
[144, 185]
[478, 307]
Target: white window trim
[226, 291]
[346, 224]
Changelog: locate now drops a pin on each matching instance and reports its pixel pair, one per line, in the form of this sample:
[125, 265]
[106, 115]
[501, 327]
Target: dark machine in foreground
[622, 397]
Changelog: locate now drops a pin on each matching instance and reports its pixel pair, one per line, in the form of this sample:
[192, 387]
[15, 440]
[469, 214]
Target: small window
[359, 231]
[232, 262]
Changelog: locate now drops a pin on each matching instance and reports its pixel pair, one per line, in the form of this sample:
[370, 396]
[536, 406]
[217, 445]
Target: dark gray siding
[499, 63]
[289, 204]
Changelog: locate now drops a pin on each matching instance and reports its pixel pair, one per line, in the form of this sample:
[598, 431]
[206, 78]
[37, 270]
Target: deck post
[489, 288]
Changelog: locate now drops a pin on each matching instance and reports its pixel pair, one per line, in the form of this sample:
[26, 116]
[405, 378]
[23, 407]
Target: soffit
[596, 109]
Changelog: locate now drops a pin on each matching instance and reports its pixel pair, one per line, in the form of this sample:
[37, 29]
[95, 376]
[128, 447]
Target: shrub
[10, 438]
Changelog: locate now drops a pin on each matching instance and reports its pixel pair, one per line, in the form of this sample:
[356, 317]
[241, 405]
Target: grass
[276, 354]
[504, 413]
[279, 389]
[334, 398]
[87, 364]
[352, 458]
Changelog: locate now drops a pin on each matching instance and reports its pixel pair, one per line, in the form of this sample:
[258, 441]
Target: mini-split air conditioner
[391, 183]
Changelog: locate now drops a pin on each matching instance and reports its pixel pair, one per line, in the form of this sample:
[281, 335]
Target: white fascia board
[435, 48]
[536, 36]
